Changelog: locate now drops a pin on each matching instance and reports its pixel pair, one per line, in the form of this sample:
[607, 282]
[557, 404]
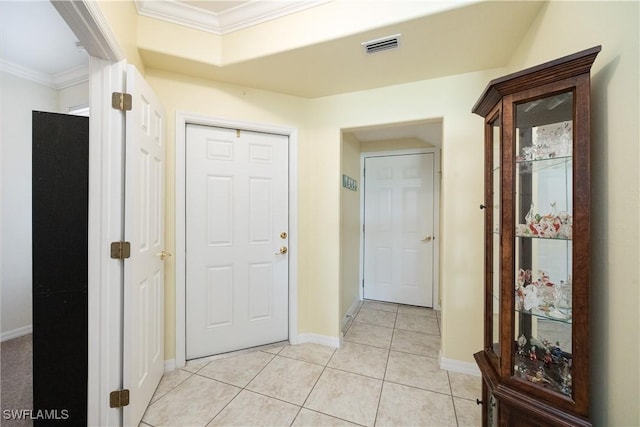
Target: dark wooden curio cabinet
[535, 360]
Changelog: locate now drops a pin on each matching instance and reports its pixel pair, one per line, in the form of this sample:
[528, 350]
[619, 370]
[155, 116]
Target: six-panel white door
[237, 285]
[399, 229]
[143, 336]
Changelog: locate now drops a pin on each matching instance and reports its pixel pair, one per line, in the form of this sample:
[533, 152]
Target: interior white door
[237, 284]
[399, 229]
[143, 337]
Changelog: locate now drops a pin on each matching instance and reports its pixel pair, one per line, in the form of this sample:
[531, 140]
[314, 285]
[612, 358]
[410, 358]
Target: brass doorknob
[283, 250]
[427, 238]
[163, 255]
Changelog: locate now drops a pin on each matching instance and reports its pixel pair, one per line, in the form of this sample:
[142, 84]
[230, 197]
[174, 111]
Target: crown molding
[254, 13]
[58, 81]
[71, 77]
[26, 73]
[230, 20]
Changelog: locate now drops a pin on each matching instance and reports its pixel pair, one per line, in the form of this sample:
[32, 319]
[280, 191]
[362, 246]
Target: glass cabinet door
[492, 412]
[543, 242]
[496, 156]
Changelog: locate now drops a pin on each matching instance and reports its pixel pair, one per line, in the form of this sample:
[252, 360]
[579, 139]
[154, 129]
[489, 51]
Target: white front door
[237, 284]
[143, 360]
[399, 229]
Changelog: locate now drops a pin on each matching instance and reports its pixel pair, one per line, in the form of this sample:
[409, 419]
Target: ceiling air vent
[384, 43]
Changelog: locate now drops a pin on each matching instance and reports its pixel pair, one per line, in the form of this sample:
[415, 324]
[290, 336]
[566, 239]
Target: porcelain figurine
[531, 299]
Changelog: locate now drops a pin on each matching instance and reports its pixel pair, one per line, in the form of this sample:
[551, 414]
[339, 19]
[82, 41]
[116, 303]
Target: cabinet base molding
[521, 409]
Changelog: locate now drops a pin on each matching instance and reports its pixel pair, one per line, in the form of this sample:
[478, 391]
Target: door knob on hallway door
[427, 238]
[163, 255]
[283, 250]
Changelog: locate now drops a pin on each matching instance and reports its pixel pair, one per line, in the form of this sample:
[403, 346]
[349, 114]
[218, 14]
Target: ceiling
[218, 7]
[37, 44]
[471, 37]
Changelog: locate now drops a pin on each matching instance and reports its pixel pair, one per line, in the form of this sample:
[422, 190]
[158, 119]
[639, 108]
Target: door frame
[106, 224]
[182, 119]
[107, 64]
[437, 173]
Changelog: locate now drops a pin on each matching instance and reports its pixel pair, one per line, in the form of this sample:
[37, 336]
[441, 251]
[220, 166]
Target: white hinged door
[399, 237]
[143, 337]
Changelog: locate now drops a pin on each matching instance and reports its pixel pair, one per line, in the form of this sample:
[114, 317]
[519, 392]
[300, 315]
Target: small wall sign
[349, 183]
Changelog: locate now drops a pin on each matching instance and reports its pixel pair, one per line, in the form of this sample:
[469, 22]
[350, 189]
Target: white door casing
[143, 336]
[106, 134]
[399, 236]
[236, 226]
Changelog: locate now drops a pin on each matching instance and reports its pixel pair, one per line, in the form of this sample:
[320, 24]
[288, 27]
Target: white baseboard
[351, 313]
[454, 365]
[318, 339]
[15, 333]
[170, 365]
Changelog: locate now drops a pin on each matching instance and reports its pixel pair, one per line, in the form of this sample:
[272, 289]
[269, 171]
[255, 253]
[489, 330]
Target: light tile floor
[386, 373]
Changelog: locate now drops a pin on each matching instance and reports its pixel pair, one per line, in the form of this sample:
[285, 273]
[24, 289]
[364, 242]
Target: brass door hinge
[121, 101]
[119, 398]
[120, 250]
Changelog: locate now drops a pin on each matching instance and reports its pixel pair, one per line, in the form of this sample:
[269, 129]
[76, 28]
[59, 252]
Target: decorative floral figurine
[548, 226]
[531, 299]
[524, 279]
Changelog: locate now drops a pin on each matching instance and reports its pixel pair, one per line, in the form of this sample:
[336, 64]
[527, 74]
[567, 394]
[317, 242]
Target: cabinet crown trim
[558, 69]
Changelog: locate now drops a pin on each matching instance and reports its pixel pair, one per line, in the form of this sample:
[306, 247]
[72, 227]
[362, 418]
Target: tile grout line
[415, 387]
[384, 376]
[313, 387]
[325, 366]
[453, 402]
[273, 356]
[153, 402]
[332, 416]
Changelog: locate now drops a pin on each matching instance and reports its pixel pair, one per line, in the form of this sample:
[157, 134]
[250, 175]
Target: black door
[60, 256]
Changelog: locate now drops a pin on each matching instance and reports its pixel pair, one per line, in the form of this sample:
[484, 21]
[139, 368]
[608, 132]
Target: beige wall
[349, 226]
[561, 29]
[169, 40]
[191, 95]
[350, 212]
[450, 99]
[319, 122]
[123, 19]
[389, 145]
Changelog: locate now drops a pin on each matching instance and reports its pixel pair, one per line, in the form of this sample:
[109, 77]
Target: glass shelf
[533, 236]
[527, 167]
[543, 244]
[560, 161]
[549, 314]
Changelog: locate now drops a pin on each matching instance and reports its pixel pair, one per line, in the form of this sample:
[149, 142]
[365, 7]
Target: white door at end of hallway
[399, 235]
[237, 265]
